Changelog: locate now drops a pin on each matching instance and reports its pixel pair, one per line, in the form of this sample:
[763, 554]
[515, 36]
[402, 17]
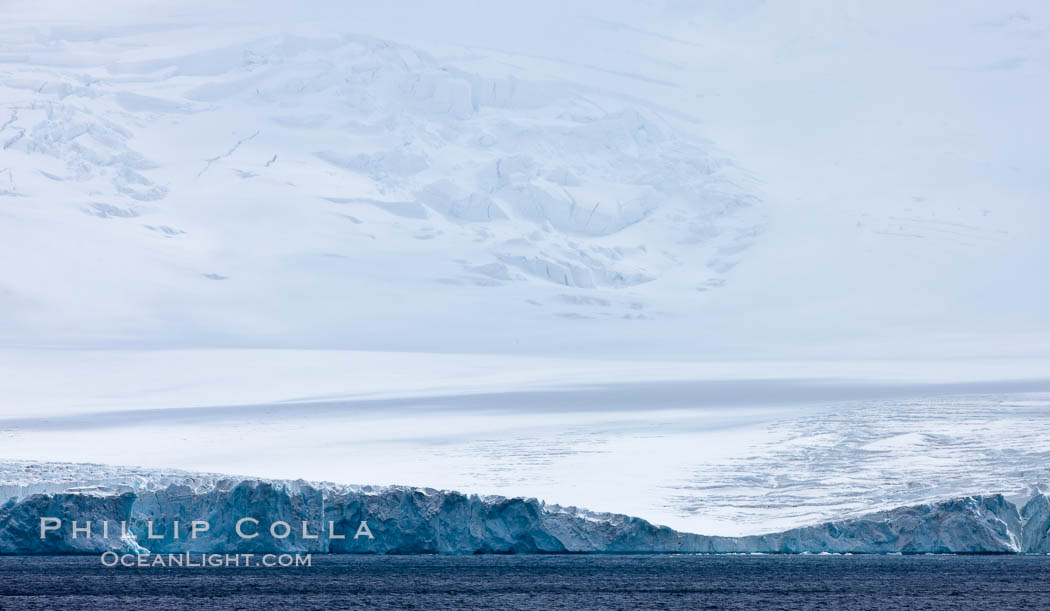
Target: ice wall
[401, 520]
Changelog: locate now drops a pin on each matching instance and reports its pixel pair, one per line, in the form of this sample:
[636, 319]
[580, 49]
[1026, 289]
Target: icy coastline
[139, 514]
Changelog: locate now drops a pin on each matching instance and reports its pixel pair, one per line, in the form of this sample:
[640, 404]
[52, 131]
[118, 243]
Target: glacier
[730, 269]
[154, 516]
[722, 449]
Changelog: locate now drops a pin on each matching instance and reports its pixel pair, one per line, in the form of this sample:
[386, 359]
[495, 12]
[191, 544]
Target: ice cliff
[402, 520]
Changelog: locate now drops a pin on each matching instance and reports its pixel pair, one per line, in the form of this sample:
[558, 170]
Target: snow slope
[320, 183]
[665, 179]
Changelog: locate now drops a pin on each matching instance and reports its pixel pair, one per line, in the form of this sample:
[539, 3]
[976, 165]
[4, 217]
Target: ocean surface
[540, 582]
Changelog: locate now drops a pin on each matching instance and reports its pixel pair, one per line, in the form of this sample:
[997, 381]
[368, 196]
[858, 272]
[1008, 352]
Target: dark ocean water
[541, 582]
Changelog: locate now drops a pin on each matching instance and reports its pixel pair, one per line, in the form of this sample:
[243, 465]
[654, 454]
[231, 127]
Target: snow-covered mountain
[670, 179]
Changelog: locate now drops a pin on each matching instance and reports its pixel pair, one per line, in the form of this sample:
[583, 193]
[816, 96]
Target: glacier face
[251, 515]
